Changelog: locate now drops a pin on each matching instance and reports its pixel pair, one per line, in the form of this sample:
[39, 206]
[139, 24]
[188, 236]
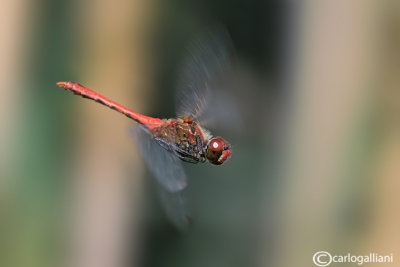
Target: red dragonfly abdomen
[78, 89]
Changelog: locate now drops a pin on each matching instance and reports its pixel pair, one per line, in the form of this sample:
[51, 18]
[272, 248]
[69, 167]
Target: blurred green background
[314, 124]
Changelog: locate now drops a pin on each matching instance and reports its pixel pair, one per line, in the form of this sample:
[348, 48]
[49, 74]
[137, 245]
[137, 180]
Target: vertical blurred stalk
[384, 234]
[15, 15]
[330, 91]
[107, 197]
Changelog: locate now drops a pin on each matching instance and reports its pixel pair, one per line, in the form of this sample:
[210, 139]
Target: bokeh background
[315, 104]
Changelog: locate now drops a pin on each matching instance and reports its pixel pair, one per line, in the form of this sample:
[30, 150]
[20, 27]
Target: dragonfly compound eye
[218, 151]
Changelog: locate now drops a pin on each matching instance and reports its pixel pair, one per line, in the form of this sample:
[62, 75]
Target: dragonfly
[183, 137]
[165, 143]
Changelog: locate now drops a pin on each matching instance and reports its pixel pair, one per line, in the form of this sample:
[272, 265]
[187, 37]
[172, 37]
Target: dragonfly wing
[209, 58]
[175, 206]
[164, 165]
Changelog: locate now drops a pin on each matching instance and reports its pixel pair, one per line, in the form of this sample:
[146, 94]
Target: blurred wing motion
[208, 59]
[169, 173]
[175, 206]
[164, 165]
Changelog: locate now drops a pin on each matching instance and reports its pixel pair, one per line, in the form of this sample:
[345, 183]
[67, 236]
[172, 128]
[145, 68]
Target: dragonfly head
[218, 150]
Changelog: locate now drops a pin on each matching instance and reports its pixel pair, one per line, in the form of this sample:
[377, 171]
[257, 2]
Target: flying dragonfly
[165, 143]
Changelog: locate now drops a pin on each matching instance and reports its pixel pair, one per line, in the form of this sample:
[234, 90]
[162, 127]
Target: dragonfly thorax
[183, 137]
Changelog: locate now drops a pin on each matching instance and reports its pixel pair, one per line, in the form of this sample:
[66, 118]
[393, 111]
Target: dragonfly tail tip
[62, 84]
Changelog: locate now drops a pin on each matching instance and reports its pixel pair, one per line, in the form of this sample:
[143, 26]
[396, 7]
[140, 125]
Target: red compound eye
[218, 150]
